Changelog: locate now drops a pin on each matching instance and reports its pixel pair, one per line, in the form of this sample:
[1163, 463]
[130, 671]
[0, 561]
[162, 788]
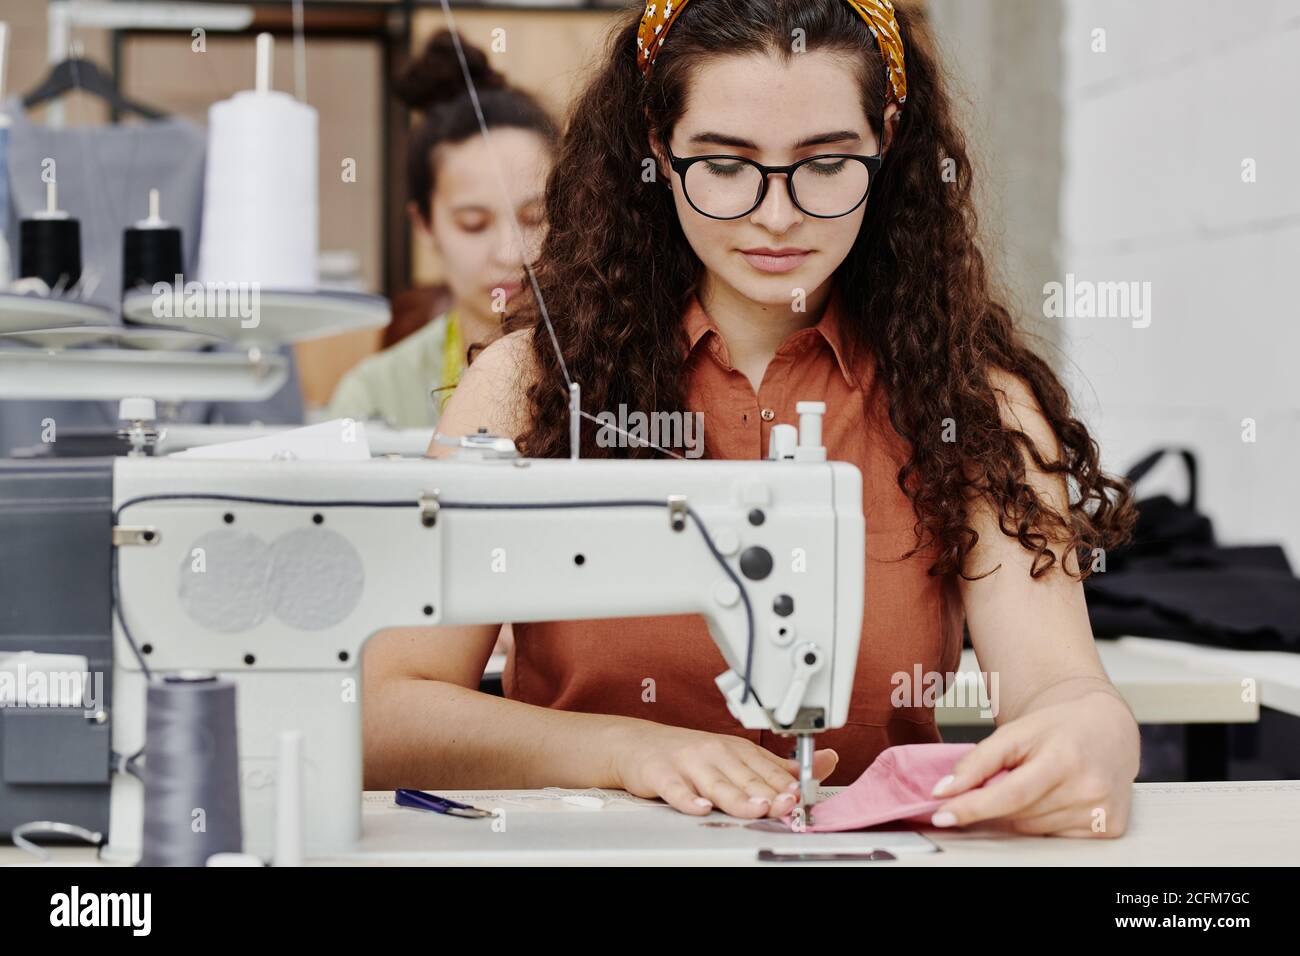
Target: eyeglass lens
[727, 187]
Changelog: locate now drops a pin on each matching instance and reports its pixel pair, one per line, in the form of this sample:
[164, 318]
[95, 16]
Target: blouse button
[768, 414]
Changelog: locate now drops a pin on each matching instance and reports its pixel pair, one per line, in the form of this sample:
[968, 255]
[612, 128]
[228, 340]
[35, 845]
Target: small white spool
[288, 801]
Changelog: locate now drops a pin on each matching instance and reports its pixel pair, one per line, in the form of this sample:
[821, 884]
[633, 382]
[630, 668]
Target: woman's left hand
[1071, 767]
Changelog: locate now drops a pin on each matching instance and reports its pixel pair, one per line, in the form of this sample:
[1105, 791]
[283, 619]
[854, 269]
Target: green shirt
[396, 386]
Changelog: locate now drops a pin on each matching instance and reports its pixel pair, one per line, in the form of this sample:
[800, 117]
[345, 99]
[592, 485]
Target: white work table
[1253, 823]
[1182, 824]
[1164, 682]
[1276, 673]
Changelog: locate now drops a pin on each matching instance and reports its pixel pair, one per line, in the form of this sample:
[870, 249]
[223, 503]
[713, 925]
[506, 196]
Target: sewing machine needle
[804, 749]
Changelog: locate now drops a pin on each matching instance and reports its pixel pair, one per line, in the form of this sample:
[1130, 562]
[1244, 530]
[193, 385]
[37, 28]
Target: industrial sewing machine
[273, 574]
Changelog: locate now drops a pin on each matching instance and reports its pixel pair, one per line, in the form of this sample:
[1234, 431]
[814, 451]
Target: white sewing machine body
[280, 598]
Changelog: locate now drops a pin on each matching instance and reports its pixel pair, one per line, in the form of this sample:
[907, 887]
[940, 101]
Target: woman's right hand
[694, 771]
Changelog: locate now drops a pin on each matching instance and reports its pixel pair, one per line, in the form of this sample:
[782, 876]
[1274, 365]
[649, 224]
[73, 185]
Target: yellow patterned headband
[879, 16]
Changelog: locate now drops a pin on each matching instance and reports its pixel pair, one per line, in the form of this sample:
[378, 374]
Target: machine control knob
[756, 563]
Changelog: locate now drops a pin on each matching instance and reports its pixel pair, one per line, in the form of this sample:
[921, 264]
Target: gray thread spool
[191, 763]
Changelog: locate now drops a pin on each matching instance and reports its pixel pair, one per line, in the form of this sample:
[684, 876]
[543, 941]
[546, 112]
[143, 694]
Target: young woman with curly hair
[756, 203]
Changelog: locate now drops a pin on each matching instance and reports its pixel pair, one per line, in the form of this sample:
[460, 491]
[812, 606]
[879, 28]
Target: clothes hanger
[78, 73]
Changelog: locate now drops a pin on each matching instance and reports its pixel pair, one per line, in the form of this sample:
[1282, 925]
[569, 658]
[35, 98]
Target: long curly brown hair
[617, 272]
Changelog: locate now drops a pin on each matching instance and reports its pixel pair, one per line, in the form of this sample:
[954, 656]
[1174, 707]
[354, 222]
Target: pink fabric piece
[896, 786]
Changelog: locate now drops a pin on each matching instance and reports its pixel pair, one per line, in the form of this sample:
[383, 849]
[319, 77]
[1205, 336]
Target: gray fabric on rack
[104, 175]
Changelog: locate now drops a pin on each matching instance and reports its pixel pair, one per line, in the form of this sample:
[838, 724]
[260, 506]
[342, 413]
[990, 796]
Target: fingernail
[944, 819]
[701, 802]
[794, 786]
[942, 786]
[759, 801]
[785, 798]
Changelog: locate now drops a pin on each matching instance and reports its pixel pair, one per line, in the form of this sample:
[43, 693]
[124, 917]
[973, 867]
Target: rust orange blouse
[909, 617]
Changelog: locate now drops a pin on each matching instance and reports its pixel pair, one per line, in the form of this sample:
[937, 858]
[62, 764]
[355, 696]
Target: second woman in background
[456, 203]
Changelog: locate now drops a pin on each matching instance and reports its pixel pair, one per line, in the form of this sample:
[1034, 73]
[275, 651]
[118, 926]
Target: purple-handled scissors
[419, 800]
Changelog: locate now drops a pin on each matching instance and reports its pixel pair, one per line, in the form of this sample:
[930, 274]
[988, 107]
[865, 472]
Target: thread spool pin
[265, 60]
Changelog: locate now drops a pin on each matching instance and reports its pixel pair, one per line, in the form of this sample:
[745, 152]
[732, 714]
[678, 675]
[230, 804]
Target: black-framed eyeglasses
[825, 186]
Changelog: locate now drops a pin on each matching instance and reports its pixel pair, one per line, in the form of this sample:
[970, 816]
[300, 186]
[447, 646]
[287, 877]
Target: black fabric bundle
[1174, 581]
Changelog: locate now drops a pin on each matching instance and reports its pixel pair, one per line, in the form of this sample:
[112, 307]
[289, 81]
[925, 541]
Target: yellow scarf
[878, 16]
[453, 358]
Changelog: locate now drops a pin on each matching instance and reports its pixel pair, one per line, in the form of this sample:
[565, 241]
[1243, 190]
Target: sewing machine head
[273, 574]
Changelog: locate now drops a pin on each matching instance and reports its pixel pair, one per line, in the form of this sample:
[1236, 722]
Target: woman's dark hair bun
[435, 76]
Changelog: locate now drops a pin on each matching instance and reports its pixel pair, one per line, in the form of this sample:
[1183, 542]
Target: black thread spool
[50, 245]
[151, 251]
[191, 771]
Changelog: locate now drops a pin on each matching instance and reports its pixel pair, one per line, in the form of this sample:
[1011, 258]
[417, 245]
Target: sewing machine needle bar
[804, 749]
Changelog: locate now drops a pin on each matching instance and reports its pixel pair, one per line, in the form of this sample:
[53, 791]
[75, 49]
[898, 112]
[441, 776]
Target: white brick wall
[1156, 129]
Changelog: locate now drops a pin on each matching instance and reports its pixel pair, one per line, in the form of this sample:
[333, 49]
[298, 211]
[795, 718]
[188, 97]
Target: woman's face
[472, 222]
[774, 112]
